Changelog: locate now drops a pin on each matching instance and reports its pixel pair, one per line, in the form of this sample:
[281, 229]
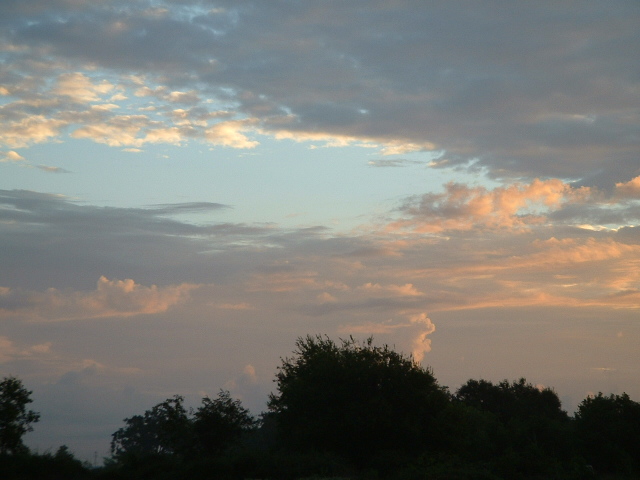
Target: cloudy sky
[188, 186]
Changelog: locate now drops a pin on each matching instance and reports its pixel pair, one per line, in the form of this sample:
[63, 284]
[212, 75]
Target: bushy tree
[15, 419]
[355, 399]
[169, 430]
[523, 427]
[509, 401]
[608, 431]
[165, 429]
[220, 422]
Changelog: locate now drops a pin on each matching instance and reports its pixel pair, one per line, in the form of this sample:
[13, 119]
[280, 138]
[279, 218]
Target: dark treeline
[351, 410]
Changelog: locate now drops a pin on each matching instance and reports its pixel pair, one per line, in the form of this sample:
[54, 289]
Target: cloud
[422, 344]
[462, 207]
[126, 130]
[189, 207]
[11, 156]
[111, 298]
[630, 189]
[394, 162]
[235, 306]
[431, 78]
[80, 89]
[417, 326]
[87, 368]
[535, 242]
[30, 129]
[163, 93]
[9, 351]
[286, 281]
[394, 290]
[259, 287]
[50, 169]
[229, 134]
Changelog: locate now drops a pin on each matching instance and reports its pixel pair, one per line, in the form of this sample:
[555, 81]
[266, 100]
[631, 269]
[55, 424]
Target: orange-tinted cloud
[462, 207]
[394, 290]
[629, 189]
[111, 298]
[10, 351]
[417, 327]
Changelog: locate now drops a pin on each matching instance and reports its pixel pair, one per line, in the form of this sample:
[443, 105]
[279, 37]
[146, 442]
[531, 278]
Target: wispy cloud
[50, 169]
[393, 162]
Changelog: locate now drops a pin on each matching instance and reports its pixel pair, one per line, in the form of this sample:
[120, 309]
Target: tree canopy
[162, 429]
[15, 419]
[518, 399]
[351, 409]
[220, 422]
[169, 429]
[355, 399]
[608, 430]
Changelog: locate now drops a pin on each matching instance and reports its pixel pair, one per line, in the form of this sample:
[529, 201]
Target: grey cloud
[597, 214]
[393, 162]
[72, 244]
[69, 244]
[50, 169]
[384, 304]
[477, 80]
[190, 207]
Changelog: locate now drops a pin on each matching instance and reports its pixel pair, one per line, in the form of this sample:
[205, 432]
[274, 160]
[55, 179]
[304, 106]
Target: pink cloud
[462, 207]
[629, 189]
[394, 290]
[10, 351]
[111, 298]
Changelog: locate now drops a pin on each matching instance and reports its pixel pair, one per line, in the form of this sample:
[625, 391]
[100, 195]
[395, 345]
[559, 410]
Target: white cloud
[80, 89]
[421, 343]
[30, 129]
[230, 134]
[11, 156]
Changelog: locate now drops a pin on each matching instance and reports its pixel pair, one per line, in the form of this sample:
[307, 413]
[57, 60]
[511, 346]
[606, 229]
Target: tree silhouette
[518, 399]
[165, 429]
[15, 419]
[168, 429]
[523, 427]
[608, 430]
[355, 399]
[218, 423]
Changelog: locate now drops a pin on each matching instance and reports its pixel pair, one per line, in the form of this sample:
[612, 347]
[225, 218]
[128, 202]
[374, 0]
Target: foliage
[15, 419]
[509, 401]
[169, 430]
[28, 466]
[356, 410]
[165, 429]
[522, 427]
[355, 399]
[608, 429]
[220, 422]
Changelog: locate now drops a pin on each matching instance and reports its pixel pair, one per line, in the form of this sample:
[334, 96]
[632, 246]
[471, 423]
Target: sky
[186, 187]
